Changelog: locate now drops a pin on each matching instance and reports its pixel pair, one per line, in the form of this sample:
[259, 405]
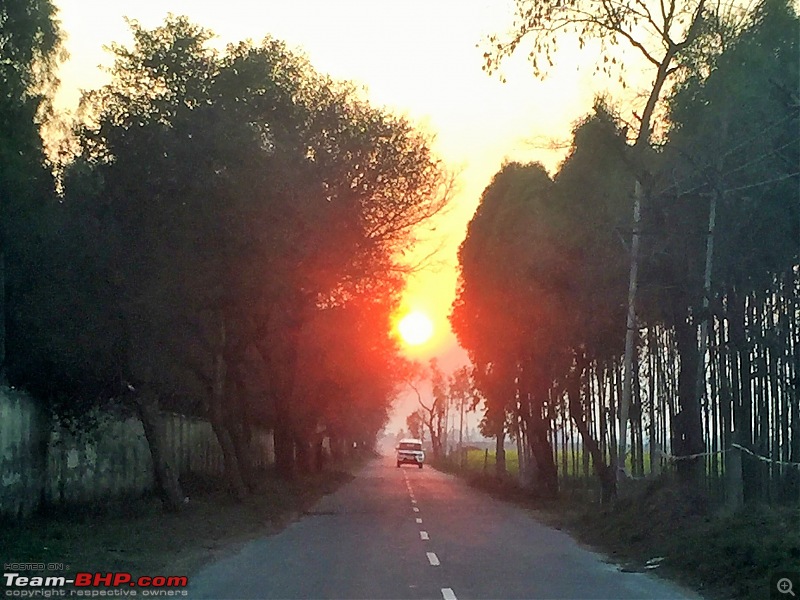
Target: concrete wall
[40, 463]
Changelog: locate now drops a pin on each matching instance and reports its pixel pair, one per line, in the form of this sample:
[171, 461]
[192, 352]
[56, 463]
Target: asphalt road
[410, 533]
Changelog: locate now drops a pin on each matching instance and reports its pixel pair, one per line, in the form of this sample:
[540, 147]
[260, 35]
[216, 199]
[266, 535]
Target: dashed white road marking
[413, 501]
[448, 594]
[423, 535]
[415, 509]
[419, 520]
[433, 559]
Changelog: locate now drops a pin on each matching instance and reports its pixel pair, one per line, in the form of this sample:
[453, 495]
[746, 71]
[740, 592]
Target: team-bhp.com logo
[93, 585]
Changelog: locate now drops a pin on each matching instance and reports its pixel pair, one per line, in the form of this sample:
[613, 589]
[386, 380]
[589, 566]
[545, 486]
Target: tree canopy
[234, 226]
[546, 260]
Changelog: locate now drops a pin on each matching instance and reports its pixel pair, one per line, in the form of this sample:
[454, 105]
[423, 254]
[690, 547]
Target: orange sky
[418, 57]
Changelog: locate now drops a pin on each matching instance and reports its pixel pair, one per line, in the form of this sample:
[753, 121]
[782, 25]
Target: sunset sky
[420, 59]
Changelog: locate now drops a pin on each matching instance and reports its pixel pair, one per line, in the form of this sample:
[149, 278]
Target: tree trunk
[608, 482]
[3, 312]
[238, 425]
[303, 454]
[518, 439]
[689, 425]
[284, 443]
[233, 475]
[637, 437]
[546, 471]
[461, 435]
[744, 407]
[793, 480]
[500, 451]
[701, 363]
[281, 353]
[319, 453]
[243, 451]
[166, 476]
[655, 458]
[216, 413]
[630, 335]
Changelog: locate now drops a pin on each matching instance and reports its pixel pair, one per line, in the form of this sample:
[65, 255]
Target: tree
[463, 396]
[659, 32]
[501, 292]
[252, 163]
[594, 185]
[415, 423]
[744, 82]
[550, 249]
[30, 43]
[433, 412]
[709, 203]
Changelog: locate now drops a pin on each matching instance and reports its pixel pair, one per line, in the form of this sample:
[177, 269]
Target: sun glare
[415, 328]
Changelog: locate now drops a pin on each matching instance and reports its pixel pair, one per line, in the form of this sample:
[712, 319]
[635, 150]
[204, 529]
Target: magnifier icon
[785, 586]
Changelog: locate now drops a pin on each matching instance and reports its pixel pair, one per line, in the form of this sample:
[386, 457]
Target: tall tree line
[228, 244]
[546, 268]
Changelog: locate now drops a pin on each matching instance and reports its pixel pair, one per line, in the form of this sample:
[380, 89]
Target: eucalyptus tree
[433, 413]
[415, 423]
[593, 187]
[542, 263]
[734, 163]
[462, 394]
[658, 32]
[505, 315]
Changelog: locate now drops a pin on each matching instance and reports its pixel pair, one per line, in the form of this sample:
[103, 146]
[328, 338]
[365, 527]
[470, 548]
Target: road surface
[410, 533]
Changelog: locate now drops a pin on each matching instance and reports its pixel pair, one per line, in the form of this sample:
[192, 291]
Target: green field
[478, 460]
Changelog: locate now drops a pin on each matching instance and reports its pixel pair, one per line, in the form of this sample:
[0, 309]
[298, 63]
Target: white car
[410, 451]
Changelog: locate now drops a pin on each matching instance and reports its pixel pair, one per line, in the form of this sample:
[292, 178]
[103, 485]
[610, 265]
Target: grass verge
[719, 555]
[140, 538]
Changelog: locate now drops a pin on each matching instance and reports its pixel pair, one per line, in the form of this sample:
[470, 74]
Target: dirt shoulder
[140, 538]
[660, 529]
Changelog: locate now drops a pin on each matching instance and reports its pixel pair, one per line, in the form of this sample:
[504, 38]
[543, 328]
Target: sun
[415, 328]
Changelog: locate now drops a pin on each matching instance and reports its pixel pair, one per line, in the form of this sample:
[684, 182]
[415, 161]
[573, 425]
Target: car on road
[409, 451]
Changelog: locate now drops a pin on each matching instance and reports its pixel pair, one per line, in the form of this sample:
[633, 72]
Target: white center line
[415, 509]
[423, 535]
[448, 594]
[433, 559]
[419, 520]
[413, 501]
